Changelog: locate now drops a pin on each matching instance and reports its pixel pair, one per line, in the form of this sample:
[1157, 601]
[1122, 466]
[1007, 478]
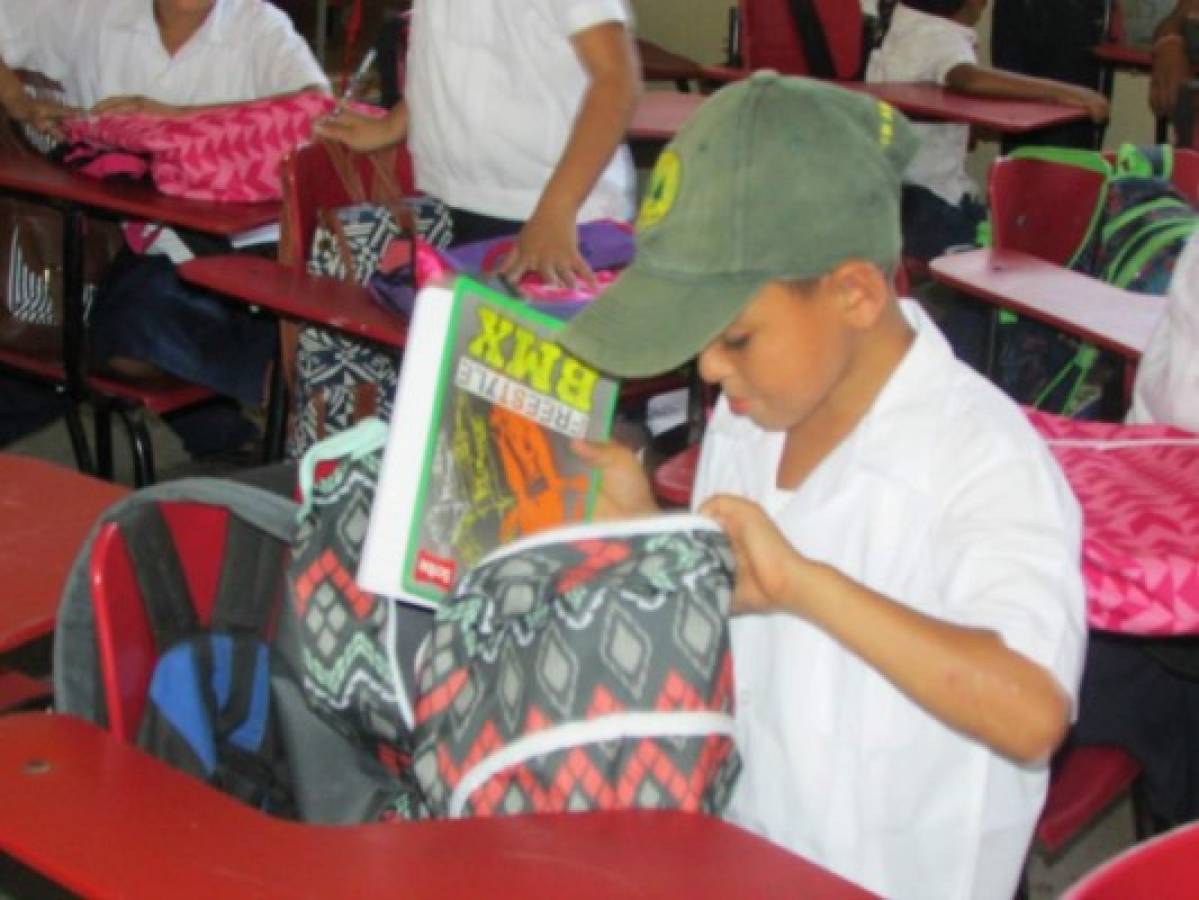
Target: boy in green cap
[911, 624]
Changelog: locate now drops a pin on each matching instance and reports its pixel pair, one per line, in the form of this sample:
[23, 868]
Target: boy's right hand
[362, 133]
[1093, 102]
[624, 488]
[44, 115]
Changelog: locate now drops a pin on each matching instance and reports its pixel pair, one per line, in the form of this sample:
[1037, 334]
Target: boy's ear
[863, 292]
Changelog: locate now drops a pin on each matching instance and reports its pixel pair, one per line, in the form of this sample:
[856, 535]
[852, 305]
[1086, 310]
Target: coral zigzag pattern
[1138, 486]
[230, 154]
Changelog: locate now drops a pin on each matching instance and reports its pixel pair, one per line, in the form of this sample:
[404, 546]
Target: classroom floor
[1047, 878]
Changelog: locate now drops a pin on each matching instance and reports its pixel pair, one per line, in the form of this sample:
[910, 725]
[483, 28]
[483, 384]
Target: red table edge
[306, 297]
[942, 270]
[45, 758]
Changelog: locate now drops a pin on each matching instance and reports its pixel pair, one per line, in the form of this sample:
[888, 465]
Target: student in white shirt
[934, 41]
[515, 114]
[910, 622]
[163, 57]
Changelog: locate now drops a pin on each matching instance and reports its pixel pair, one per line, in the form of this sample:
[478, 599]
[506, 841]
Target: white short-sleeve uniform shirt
[944, 499]
[923, 47]
[493, 90]
[1166, 390]
[246, 49]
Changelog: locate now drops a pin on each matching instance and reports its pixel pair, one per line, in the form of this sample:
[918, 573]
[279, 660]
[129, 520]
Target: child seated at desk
[910, 624]
[163, 57]
[515, 114]
[934, 40]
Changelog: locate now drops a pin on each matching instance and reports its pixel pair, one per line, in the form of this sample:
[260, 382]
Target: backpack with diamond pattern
[338, 379]
[586, 668]
[352, 651]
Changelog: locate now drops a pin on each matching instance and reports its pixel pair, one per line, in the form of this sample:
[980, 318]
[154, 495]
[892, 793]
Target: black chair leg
[79, 446]
[140, 446]
[102, 420]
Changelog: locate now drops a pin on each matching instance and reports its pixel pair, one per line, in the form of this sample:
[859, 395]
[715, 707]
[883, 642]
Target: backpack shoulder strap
[166, 597]
[810, 31]
[75, 663]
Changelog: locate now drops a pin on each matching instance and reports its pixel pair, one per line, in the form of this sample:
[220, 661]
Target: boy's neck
[177, 28]
[809, 442]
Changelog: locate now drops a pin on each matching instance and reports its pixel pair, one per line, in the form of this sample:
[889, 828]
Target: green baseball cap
[773, 177]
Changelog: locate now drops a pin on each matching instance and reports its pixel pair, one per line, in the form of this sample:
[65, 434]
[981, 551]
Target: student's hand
[1171, 70]
[549, 246]
[126, 106]
[624, 488]
[363, 133]
[766, 561]
[1093, 102]
[44, 115]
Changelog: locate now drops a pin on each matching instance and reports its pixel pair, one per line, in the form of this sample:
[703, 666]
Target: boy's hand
[1093, 102]
[1171, 69]
[624, 489]
[44, 115]
[765, 558]
[363, 133]
[549, 246]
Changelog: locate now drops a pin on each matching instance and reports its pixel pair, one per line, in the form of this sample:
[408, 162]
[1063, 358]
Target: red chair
[770, 38]
[1165, 868]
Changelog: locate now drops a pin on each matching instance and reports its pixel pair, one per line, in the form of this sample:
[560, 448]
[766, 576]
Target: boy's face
[784, 356]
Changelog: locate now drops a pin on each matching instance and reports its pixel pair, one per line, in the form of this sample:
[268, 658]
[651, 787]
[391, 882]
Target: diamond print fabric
[578, 671]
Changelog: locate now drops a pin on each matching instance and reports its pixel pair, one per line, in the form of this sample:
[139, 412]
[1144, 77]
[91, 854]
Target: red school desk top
[45, 513]
[103, 819]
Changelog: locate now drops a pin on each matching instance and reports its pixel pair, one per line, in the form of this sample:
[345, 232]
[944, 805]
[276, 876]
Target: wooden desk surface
[103, 819]
[1106, 316]
[930, 101]
[295, 294]
[660, 114]
[45, 513]
[28, 173]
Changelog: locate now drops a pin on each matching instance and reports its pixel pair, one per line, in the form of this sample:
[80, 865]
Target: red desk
[45, 513]
[1106, 316]
[660, 114]
[103, 819]
[295, 294]
[930, 101]
[1122, 56]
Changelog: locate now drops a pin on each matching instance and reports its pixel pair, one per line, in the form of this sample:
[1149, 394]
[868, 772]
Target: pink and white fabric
[1138, 486]
[231, 154]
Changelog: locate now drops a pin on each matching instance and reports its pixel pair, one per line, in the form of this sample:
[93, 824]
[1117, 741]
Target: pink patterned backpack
[229, 155]
[1138, 486]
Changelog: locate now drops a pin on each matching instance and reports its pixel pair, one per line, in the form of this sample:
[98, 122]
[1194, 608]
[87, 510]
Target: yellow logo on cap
[662, 191]
[886, 123]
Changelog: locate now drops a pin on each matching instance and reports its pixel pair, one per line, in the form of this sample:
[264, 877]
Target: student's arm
[145, 105]
[1171, 68]
[966, 677]
[987, 82]
[43, 115]
[363, 133]
[548, 243]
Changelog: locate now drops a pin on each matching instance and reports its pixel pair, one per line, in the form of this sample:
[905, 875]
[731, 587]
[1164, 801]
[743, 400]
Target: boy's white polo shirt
[1166, 390]
[944, 499]
[246, 49]
[923, 47]
[493, 90]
